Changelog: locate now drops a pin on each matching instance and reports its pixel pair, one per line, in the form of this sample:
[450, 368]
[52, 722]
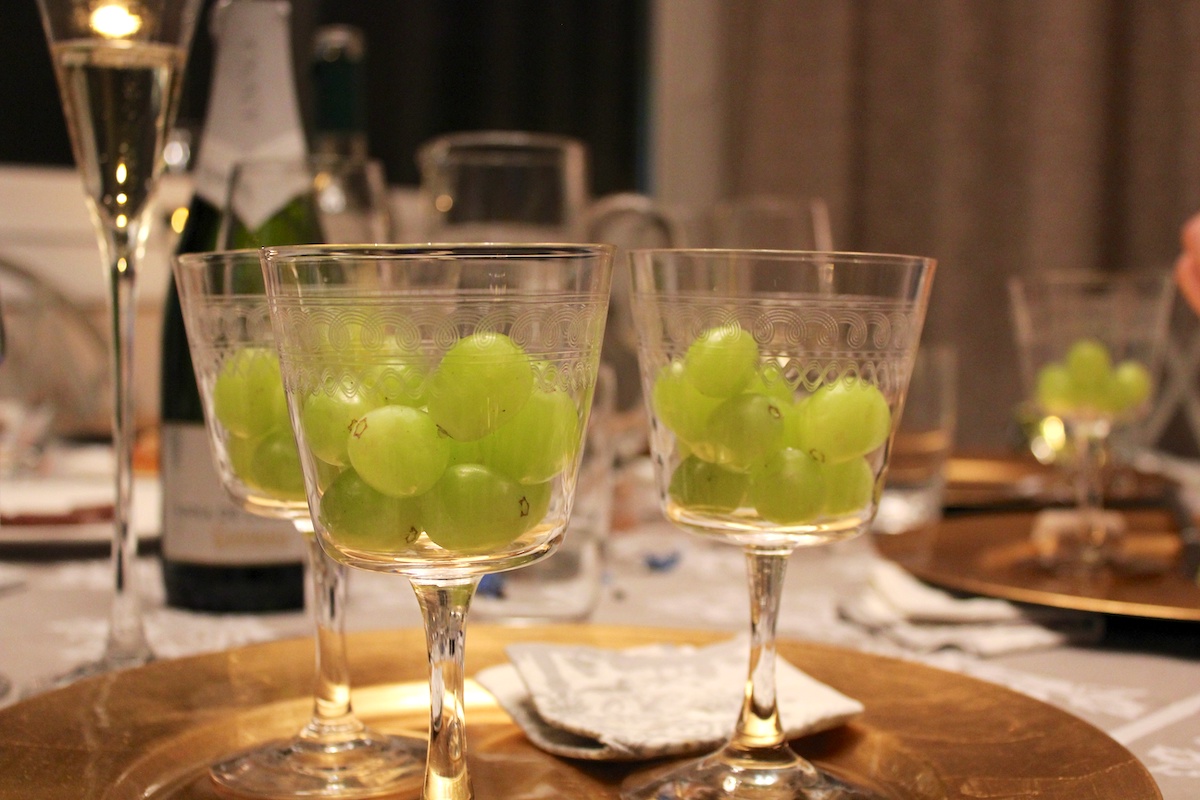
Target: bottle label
[252, 111]
[201, 523]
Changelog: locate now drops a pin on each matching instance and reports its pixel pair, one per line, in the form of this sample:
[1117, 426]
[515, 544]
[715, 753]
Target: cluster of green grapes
[746, 440]
[465, 454]
[1087, 382]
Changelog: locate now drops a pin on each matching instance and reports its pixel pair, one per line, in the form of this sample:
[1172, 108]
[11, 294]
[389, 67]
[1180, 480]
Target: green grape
[357, 516]
[1090, 368]
[473, 508]
[704, 487]
[538, 496]
[1132, 384]
[398, 450]
[539, 440]
[771, 382]
[328, 419]
[1054, 391]
[275, 466]
[239, 450]
[849, 486]
[679, 406]
[744, 430]
[248, 398]
[481, 383]
[721, 361]
[841, 421]
[789, 489]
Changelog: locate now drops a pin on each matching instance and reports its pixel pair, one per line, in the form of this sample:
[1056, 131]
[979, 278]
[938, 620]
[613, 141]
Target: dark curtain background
[576, 67]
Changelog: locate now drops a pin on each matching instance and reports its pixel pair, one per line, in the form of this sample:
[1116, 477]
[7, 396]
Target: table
[1141, 684]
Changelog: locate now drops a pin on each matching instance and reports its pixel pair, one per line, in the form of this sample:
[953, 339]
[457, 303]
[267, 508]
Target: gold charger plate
[993, 480]
[991, 554]
[926, 734]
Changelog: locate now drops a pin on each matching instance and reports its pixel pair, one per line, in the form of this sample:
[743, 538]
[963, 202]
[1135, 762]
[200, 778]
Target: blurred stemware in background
[119, 69]
[1090, 347]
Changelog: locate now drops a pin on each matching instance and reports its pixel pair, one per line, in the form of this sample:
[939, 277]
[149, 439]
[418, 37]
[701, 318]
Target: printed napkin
[923, 618]
[640, 703]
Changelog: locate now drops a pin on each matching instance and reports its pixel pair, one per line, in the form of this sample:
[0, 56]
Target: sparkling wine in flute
[117, 97]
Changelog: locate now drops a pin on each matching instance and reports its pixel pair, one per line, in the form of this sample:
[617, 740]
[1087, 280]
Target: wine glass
[439, 394]
[245, 411]
[774, 380]
[119, 65]
[1090, 345]
[297, 201]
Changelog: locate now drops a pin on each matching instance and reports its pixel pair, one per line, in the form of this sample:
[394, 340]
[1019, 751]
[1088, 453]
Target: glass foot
[103, 666]
[368, 765]
[725, 776]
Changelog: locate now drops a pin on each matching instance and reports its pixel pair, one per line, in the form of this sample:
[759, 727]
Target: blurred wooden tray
[926, 734]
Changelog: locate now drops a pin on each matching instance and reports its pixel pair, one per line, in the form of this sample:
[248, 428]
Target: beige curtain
[996, 135]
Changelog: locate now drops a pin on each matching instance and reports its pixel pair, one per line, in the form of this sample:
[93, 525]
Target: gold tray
[991, 554]
[926, 734]
[990, 480]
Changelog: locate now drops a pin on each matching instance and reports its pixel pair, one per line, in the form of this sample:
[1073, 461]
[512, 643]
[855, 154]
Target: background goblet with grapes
[439, 395]
[229, 333]
[774, 381]
[1090, 345]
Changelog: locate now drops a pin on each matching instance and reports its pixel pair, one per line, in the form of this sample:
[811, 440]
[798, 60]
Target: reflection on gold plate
[991, 554]
[926, 734]
[975, 480]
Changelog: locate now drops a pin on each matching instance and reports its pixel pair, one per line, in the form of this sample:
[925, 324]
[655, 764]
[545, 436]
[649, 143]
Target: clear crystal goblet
[224, 305]
[439, 395]
[1090, 346]
[774, 380]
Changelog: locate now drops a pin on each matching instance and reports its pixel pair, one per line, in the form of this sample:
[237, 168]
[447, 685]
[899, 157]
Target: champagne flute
[1090, 344]
[119, 65]
[439, 395]
[775, 379]
[245, 412]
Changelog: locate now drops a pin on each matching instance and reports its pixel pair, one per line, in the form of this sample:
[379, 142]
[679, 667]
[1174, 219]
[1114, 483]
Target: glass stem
[444, 606]
[126, 633]
[759, 732]
[333, 718]
[1090, 454]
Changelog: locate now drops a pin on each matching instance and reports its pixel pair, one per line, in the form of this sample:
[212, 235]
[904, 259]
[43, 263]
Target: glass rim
[1082, 276]
[202, 256]
[778, 254]
[500, 251]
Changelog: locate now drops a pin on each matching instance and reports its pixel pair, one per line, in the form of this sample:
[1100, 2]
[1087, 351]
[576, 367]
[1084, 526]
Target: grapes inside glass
[1090, 347]
[119, 66]
[245, 411]
[774, 380]
[439, 395]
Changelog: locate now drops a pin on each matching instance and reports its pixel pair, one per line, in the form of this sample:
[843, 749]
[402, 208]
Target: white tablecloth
[1142, 687]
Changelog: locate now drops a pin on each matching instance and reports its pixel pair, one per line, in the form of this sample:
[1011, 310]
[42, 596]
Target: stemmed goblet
[439, 395]
[119, 65]
[774, 380]
[1090, 344]
[237, 371]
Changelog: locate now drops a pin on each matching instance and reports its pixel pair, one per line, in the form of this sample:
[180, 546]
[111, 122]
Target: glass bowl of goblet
[439, 395]
[774, 380]
[1090, 346]
[232, 345]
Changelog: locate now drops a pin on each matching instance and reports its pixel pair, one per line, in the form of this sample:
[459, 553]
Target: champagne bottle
[215, 556]
[339, 93]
